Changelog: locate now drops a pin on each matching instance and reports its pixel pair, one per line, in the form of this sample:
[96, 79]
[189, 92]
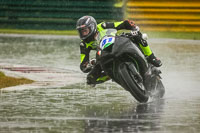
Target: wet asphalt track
[78, 108]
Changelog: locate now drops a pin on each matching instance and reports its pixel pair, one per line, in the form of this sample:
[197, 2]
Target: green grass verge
[151, 34]
[6, 81]
[46, 32]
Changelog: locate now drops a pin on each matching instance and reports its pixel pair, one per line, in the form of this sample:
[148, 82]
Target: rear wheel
[131, 80]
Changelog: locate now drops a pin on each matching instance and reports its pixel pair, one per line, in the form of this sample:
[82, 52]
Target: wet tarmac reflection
[106, 108]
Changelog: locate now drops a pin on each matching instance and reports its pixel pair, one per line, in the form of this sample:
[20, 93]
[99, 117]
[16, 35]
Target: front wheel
[129, 79]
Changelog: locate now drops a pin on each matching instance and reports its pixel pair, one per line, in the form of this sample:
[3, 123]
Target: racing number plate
[106, 41]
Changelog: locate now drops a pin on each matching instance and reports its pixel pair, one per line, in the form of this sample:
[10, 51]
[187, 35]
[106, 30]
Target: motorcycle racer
[89, 31]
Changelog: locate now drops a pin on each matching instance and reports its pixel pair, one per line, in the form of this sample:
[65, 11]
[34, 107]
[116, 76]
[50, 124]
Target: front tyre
[129, 79]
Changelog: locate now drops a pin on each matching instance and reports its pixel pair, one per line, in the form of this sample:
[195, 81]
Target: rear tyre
[128, 77]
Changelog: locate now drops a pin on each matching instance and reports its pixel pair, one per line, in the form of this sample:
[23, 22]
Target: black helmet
[87, 28]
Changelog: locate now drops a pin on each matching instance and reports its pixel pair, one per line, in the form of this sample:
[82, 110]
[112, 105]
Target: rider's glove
[90, 65]
[86, 67]
[135, 31]
[93, 62]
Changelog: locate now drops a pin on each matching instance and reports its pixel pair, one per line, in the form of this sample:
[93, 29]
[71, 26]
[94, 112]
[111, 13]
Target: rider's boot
[154, 61]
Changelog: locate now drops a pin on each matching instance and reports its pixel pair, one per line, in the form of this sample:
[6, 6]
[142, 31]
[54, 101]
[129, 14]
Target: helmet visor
[86, 31]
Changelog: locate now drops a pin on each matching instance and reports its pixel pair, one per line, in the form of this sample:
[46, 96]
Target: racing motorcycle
[123, 61]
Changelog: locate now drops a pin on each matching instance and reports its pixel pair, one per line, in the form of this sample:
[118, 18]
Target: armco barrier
[165, 15]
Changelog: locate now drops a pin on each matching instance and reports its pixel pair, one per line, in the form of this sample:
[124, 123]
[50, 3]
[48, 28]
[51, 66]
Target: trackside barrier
[165, 15]
[54, 14]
